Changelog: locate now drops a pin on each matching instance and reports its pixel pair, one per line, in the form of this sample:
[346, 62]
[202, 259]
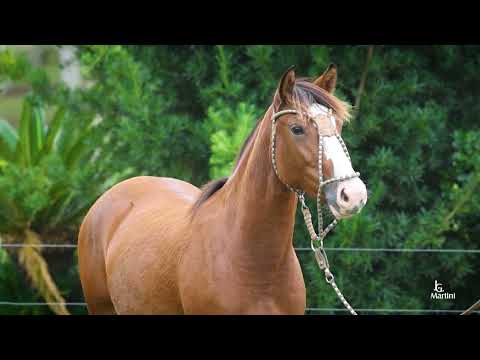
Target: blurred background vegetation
[74, 120]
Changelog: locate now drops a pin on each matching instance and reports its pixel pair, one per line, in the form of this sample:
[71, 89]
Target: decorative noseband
[324, 128]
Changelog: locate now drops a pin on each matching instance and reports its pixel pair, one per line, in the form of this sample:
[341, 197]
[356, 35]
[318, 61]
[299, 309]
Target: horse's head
[315, 126]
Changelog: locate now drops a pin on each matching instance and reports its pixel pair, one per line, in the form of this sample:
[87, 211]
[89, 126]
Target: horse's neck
[261, 209]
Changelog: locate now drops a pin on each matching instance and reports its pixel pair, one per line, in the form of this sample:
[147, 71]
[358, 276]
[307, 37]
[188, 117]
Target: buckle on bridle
[301, 198]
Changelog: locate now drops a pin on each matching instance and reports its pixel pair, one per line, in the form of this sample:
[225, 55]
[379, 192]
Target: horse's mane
[305, 94]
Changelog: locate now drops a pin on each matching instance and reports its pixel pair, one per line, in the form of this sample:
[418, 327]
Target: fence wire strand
[11, 303]
[374, 310]
[38, 245]
[299, 249]
[389, 310]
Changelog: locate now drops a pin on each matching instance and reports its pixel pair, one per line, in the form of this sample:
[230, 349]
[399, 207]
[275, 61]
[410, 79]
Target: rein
[324, 129]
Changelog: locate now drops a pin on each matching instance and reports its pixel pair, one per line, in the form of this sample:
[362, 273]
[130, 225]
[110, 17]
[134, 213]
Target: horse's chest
[222, 288]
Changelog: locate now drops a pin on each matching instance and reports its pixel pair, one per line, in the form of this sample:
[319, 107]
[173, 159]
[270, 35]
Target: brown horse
[154, 245]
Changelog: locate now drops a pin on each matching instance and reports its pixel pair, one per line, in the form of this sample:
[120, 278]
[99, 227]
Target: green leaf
[23, 150]
[8, 140]
[37, 133]
[9, 213]
[54, 129]
[77, 150]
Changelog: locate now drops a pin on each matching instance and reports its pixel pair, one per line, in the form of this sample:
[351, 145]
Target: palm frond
[23, 150]
[8, 140]
[37, 133]
[37, 269]
[54, 128]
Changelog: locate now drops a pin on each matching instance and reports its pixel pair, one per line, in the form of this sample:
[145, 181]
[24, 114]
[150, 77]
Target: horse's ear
[328, 80]
[287, 82]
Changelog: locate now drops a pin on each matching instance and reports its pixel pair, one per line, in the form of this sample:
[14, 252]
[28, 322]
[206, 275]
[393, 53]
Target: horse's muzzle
[346, 198]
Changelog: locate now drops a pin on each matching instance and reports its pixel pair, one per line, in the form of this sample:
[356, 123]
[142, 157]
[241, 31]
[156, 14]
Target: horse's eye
[297, 130]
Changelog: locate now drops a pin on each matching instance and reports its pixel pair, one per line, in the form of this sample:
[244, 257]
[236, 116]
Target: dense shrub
[412, 141]
[184, 111]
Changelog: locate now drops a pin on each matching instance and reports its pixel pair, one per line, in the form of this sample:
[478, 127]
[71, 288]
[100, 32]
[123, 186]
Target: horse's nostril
[344, 196]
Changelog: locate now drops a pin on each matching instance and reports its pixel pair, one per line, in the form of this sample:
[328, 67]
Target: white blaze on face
[334, 152]
[331, 146]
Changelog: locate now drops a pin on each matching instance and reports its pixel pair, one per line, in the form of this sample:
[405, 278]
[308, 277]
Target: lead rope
[320, 254]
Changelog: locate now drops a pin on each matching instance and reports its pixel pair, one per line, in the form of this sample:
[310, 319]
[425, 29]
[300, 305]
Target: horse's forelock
[305, 94]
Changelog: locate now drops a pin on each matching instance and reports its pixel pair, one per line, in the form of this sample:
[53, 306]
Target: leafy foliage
[229, 131]
[411, 140]
[184, 112]
[45, 187]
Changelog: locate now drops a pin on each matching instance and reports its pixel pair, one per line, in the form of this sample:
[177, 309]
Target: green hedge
[183, 111]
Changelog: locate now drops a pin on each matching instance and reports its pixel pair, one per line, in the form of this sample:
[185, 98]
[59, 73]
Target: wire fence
[307, 310]
[11, 303]
[406, 250]
[299, 249]
[38, 246]
[400, 311]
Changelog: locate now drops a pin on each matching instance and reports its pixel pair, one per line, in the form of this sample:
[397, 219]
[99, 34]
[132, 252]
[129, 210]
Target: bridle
[324, 128]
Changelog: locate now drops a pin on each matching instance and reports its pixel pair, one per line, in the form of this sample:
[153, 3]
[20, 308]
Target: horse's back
[128, 235]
